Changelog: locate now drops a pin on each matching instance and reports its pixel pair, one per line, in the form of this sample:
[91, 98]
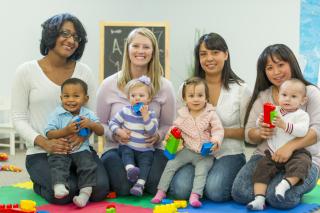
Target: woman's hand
[123, 138]
[152, 140]
[75, 141]
[57, 146]
[265, 131]
[283, 154]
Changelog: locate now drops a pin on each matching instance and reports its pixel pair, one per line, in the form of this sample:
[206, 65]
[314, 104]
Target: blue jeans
[242, 189]
[143, 160]
[39, 171]
[219, 180]
[118, 175]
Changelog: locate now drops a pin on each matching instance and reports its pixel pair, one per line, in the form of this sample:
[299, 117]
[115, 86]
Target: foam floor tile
[143, 201]
[209, 207]
[93, 207]
[312, 197]
[10, 194]
[24, 185]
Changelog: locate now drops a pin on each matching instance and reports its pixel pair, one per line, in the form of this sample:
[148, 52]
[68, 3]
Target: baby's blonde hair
[135, 83]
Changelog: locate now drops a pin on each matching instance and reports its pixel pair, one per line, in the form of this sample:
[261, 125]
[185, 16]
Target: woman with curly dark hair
[36, 93]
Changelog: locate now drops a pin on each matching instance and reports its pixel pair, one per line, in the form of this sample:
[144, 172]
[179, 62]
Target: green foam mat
[313, 196]
[10, 194]
[144, 201]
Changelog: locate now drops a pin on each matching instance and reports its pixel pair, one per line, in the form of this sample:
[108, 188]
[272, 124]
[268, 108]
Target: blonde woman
[141, 57]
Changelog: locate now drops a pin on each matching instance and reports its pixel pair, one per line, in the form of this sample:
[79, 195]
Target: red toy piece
[111, 209]
[3, 156]
[27, 206]
[112, 195]
[269, 113]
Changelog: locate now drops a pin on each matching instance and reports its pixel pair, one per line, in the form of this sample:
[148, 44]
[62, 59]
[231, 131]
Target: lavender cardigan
[111, 100]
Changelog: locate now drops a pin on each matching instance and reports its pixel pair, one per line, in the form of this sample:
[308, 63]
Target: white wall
[248, 26]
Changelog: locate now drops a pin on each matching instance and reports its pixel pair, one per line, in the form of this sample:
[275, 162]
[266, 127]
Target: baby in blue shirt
[63, 122]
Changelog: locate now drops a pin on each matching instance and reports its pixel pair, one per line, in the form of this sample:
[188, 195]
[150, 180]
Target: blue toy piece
[166, 201]
[136, 108]
[206, 148]
[169, 155]
[84, 132]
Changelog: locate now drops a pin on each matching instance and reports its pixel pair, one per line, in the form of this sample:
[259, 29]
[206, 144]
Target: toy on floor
[8, 167]
[167, 208]
[28, 206]
[112, 195]
[111, 209]
[3, 156]
[170, 206]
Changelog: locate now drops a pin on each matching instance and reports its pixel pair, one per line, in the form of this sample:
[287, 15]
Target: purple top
[111, 100]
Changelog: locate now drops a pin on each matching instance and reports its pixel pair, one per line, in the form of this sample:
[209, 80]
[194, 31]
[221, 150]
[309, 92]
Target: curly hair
[51, 29]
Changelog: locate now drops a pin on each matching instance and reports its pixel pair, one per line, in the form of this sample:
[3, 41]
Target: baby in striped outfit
[136, 122]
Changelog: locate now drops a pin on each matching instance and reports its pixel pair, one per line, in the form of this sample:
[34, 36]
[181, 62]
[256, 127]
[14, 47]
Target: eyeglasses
[68, 34]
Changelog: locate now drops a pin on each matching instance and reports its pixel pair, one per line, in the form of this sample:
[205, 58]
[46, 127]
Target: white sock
[129, 166]
[258, 203]
[140, 181]
[281, 189]
[60, 191]
[82, 199]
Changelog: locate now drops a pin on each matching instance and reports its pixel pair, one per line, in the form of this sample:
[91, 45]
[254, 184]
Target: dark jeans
[118, 176]
[143, 160]
[39, 171]
[85, 165]
[242, 189]
[219, 180]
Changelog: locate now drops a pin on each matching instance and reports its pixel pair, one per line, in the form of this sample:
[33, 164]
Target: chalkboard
[113, 38]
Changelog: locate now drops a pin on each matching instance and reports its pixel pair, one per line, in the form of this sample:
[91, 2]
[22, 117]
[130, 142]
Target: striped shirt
[139, 128]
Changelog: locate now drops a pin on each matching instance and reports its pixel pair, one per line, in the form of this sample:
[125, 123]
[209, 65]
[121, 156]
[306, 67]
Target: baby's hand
[260, 119]
[181, 146]
[278, 122]
[85, 123]
[145, 112]
[216, 146]
[72, 128]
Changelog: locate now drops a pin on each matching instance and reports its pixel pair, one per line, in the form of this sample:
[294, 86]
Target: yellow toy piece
[180, 203]
[11, 168]
[28, 205]
[168, 208]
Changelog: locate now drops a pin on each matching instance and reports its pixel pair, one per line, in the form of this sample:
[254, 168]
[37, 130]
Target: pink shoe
[194, 200]
[158, 197]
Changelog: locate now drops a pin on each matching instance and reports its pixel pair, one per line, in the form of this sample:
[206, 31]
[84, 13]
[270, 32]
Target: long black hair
[214, 41]
[51, 29]
[281, 52]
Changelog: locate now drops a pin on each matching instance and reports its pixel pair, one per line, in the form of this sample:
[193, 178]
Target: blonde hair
[155, 70]
[135, 83]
